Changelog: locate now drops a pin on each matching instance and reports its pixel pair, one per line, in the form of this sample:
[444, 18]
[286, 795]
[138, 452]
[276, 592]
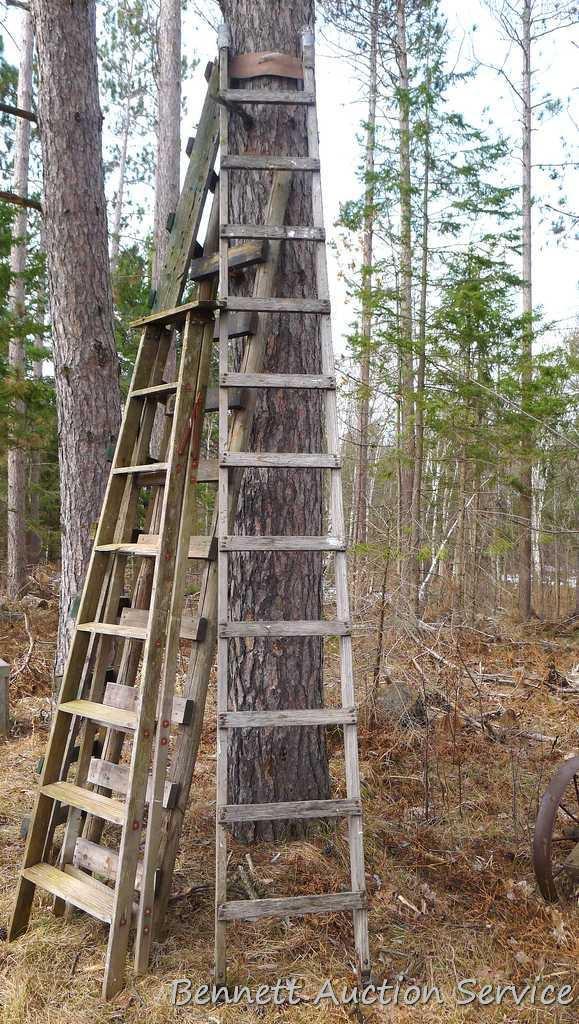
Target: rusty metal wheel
[556, 838]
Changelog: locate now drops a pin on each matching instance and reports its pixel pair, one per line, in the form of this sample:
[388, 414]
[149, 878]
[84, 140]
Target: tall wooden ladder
[353, 900]
[84, 685]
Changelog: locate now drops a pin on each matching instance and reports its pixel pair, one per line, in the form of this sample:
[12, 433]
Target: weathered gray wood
[270, 163]
[289, 809]
[116, 778]
[241, 543]
[175, 316]
[4, 699]
[236, 399]
[240, 256]
[277, 380]
[82, 893]
[239, 325]
[275, 305]
[294, 906]
[119, 695]
[293, 232]
[145, 470]
[126, 629]
[137, 618]
[289, 717]
[329, 627]
[103, 861]
[281, 460]
[162, 390]
[207, 473]
[110, 716]
[93, 803]
[254, 65]
[266, 96]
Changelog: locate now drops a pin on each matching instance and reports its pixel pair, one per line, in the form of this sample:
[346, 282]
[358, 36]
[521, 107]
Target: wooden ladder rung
[207, 473]
[93, 803]
[267, 96]
[289, 809]
[137, 619]
[236, 399]
[118, 695]
[129, 632]
[293, 906]
[175, 316]
[116, 778]
[276, 232]
[241, 303]
[280, 460]
[269, 163]
[288, 717]
[103, 714]
[161, 390]
[202, 548]
[236, 543]
[278, 380]
[285, 628]
[79, 889]
[240, 256]
[239, 325]
[150, 467]
[100, 859]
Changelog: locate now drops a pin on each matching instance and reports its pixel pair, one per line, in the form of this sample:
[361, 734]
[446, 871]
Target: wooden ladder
[353, 900]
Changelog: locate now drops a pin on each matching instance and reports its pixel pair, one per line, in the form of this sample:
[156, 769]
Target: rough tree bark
[406, 349]
[169, 127]
[526, 470]
[284, 764]
[75, 236]
[119, 198]
[17, 299]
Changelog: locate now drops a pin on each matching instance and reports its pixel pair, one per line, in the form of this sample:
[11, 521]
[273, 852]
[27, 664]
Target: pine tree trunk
[119, 198]
[361, 488]
[17, 300]
[75, 236]
[406, 348]
[169, 127]
[526, 471]
[285, 764]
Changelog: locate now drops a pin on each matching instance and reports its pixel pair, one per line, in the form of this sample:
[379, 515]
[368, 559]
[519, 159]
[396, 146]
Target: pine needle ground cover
[450, 801]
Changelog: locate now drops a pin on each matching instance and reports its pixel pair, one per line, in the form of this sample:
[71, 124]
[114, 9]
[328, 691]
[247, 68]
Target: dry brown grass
[452, 895]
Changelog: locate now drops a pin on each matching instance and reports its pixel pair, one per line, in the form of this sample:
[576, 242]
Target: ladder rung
[207, 473]
[101, 859]
[116, 777]
[281, 460]
[125, 630]
[277, 380]
[267, 96]
[235, 398]
[103, 714]
[86, 800]
[117, 695]
[290, 809]
[236, 543]
[248, 162]
[275, 305]
[288, 233]
[289, 717]
[162, 390]
[151, 467]
[285, 627]
[246, 255]
[137, 618]
[203, 548]
[293, 906]
[239, 325]
[85, 893]
[177, 314]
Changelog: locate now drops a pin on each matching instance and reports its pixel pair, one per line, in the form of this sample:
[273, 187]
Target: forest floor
[449, 806]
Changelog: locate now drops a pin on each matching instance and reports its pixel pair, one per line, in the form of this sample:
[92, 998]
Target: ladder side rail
[355, 834]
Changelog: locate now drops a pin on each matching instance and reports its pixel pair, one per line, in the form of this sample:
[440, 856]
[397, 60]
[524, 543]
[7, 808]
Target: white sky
[340, 113]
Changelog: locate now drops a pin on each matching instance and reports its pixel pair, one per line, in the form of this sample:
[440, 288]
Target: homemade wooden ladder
[350, 808]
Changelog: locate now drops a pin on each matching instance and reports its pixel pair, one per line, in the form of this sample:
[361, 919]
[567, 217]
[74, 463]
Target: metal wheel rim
[544, 827]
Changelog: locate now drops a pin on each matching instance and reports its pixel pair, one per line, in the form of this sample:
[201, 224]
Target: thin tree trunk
[406, 347]
[75, 235]
[278, 764]
[526, 472]
[17, 299]
[361, 491]
[119, 199]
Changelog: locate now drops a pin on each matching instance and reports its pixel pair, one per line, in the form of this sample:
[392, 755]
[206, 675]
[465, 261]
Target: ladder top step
[286, 718]
[278, 380]
[294, 906]
[86, 800]
[285, 627]
[281, 460]
[83, 892]
[292, 232]
[236, 543]
[205, 308]
[249, 162]
[290, 809]
[267, 96]
[103, 714]
[239, 303]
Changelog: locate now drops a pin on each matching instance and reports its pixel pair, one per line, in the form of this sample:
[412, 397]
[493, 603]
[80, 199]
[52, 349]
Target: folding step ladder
[350, 808]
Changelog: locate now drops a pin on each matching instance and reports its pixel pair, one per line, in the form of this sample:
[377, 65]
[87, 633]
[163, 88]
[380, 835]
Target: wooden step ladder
[353, 900]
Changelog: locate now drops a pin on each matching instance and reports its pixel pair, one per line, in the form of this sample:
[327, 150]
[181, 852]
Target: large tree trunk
[406, 348]
[284, 764]
[75, 235]
[17, 299]
[526, 472]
